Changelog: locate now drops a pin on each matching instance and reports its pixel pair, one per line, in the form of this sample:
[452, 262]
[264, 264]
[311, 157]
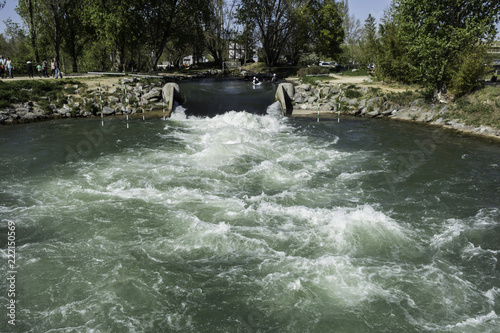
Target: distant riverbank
[477, 114]
[81, 96]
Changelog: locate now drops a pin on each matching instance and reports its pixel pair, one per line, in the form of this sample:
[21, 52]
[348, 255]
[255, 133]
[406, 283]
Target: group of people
[7, 68]
[260, 79]
[42, 69]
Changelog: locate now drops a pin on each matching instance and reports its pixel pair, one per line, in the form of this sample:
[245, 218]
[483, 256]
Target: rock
[108, 111]
[416, 102]
[312, 99]
[303, 87]
[443, 110]
[352, 102]
[373, 113]
[22, 111]
[298, 98]
[154, 95]
[113, 99]
[127, 80]
[325, 107]
[372, 101]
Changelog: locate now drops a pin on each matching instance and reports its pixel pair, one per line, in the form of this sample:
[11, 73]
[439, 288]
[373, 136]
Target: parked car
[332, 64]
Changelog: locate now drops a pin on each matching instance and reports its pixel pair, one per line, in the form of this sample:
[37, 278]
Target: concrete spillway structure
[284, 95]
[171, 93]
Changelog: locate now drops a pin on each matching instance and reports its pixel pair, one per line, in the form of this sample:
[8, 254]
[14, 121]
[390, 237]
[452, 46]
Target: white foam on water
[481, 323]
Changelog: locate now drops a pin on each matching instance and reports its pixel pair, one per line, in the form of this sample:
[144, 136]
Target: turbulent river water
[229, 217]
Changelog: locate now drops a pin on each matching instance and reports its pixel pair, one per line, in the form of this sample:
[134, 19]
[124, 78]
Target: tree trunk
[33, 31]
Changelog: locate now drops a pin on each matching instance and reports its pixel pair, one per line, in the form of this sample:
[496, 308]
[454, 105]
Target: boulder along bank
[117, 96]
[324, 100]
[124, 96]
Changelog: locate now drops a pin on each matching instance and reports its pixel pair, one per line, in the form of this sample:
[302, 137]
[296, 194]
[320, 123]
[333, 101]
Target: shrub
[313, 70]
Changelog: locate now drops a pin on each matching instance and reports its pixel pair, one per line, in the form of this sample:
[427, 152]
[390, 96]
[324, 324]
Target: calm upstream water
[230, 218]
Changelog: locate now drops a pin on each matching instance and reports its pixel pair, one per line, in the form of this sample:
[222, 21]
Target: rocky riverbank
[114, 96]
[128, 95]
[119, 96]
[325, 99]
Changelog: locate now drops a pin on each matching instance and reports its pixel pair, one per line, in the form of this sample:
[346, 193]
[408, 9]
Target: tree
[219, 22]
[114, 23]
[328, 32]
[436, 33]
[392, 63]
[75, 34]
[369, 40]
[275, 21]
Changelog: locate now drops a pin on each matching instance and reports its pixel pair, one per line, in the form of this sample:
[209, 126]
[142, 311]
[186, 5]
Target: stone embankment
[118, 96]
[130, 95]
[325, 100]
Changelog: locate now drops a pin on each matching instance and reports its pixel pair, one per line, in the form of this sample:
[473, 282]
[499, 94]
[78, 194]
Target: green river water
[229, 217]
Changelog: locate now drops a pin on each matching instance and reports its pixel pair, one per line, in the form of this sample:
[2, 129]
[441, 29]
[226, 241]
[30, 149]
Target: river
[228, 217]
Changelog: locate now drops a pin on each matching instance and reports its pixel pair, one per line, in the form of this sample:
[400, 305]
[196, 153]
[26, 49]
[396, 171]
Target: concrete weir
[171, 93]
[284, 95]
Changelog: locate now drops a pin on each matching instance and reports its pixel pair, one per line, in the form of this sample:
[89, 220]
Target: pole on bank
[338, 109]
[163, 100]
[318, 112]
[100, 99]
[142, 104]
[126, 100]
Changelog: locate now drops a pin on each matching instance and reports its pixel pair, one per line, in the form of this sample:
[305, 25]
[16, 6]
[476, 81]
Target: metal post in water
[100, 99]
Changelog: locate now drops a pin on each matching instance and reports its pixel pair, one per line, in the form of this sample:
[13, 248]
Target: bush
[313, 70]
[470, 70]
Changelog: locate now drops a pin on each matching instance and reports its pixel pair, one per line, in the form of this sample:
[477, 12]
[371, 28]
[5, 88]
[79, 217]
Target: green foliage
[313, 70]
[328, 31]
[482, 107]
[352, 93]
[403, 98]
[436, 34]
[470, 70]
[33, 90]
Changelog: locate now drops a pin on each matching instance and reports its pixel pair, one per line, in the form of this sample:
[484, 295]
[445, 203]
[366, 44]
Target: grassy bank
[39, 91]
[482, 107]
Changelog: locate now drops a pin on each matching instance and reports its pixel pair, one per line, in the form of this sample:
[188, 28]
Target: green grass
[313, 79]
[481, 107]
[23, 91]
[361, 72]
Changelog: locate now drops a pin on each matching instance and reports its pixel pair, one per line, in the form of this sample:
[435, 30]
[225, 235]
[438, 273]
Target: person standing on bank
[30, 69]
[58, 70]
[53, 67]
[10, 68]
[44, 68]
[2, 66]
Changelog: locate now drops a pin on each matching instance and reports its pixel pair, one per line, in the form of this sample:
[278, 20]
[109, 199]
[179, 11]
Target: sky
[359, 8]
